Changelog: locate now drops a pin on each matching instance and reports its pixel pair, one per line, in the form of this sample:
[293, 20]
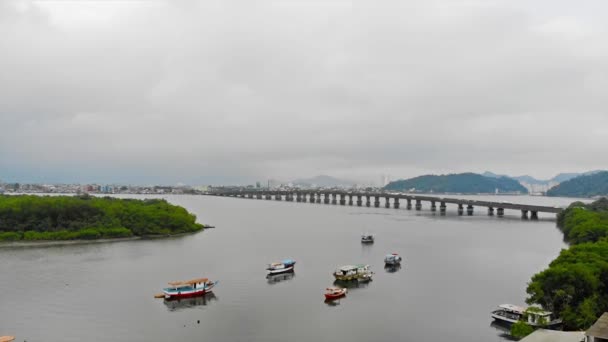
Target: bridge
[393, 200]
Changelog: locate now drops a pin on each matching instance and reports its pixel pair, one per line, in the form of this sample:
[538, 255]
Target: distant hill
[466, 183]
[562, 177]
[324, 181]
[593, 184]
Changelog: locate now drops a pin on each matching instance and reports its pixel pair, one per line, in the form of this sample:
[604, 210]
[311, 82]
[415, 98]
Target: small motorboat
[281, 267]
[367, 238]
[334, 292]
[189, 288]
[392, 259]
[353, 272]
[7, 338]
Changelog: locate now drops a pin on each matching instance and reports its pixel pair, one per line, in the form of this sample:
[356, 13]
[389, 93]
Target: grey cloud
[238, 91]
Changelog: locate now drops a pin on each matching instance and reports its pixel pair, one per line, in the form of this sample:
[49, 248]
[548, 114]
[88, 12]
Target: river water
[456, 270]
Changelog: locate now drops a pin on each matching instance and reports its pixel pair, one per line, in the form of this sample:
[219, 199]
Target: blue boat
[282, 266]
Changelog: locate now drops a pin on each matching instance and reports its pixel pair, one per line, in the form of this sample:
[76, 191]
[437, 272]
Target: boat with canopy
[189, 288]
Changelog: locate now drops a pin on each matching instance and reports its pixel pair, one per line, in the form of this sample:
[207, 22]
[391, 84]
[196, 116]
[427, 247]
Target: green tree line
[28, 217]
[575, 285]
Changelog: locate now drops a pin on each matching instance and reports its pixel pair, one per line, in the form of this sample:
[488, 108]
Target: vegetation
[457, 183]
[595, 184]
[521, 329]
[575, 286]
[85, 217]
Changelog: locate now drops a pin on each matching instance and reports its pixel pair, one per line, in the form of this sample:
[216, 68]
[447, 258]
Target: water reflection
[352, 284]
[277, 278]
[392, 268]
[184, 303]
[503, 330]
[333, 302]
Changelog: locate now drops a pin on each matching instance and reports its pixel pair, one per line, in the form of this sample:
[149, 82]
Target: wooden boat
[353, 272]
[189, 288]
[392, 259]
[283, 266]
[334, 292]
[367, 238]
[534, 316]
[7, 338]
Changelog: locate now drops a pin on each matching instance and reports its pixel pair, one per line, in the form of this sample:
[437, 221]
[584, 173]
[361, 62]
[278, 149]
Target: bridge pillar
[298, 197]
[289, 197]
[387, 203]
[433, 206]
[442, 208]
[359, 201]
[250, 195]
[500, 212]
[350, 199]
[268, 196]
[326, 198]
[396, 203]
[278, 197]
[377, 201]
[460, 209]
[490, 211]
[470, 210]
[418, 205]
[333, 199]
[524, 214]
[534, 215]
[368, 203]
[312, 198]
[409, 204]
[258, 196]
[342, 199]
[319, 200]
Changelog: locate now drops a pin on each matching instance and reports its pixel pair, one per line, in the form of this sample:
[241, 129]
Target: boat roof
[512, 307]
[288, 261]
[600, 328]
[188, 282]
[333, 288]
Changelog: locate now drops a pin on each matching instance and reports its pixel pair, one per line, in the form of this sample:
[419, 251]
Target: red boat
[334, 292]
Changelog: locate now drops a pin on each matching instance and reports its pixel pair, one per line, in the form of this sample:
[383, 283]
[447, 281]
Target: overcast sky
[232, 91]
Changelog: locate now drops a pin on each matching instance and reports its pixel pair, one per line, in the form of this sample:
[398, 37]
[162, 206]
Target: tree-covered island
[575, 286]
[30, 218]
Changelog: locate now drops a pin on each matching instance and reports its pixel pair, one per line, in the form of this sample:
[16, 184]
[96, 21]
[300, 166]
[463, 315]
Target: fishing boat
[353, 272]
[534, 316]
[367, 238]
[189, 288]
[334, 292]
[392, 259]
[281, 267]
[7, 338]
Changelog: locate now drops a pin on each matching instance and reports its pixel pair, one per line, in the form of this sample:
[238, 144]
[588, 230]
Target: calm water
[456, 270]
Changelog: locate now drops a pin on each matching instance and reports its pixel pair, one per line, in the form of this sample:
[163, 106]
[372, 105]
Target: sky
[239, 91]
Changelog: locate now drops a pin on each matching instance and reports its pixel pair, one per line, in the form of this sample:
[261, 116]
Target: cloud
[238, 91]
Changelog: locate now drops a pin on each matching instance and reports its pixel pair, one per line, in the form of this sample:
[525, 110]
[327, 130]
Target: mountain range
[562, 177]
[464, 183]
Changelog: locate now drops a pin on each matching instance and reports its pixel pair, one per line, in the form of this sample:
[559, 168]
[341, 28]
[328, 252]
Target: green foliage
[582, 186]
[521, 329]
[457, 183]
[86, 217]
[575, 286]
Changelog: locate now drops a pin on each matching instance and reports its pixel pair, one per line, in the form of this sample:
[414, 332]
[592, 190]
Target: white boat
[534, 316]
[283, 266]
[392, 259]
[367, 238]
[352, 272]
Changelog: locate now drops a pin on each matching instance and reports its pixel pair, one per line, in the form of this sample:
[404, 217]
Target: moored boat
[189, 288]
[367, 238]
[353, 272]
[334, 292]
[283, 266]
[392, 259]
[532, 315]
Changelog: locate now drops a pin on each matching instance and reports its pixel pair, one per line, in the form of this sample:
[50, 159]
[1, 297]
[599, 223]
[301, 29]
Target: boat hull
[189, 293]
[280, 270]
[335, 295]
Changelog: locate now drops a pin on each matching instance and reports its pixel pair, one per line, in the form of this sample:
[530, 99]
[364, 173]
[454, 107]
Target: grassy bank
[57, 218]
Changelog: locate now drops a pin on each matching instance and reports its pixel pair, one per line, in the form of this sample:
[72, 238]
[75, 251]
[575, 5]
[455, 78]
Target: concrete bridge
[394, 200]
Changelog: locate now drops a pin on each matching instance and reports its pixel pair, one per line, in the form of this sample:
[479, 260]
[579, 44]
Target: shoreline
[47, 243]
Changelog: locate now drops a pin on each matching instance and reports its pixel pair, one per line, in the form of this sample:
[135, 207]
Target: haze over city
[224, 92]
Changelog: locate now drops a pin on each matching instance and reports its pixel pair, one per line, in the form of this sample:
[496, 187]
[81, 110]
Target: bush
[10, 236]
[521, 329]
